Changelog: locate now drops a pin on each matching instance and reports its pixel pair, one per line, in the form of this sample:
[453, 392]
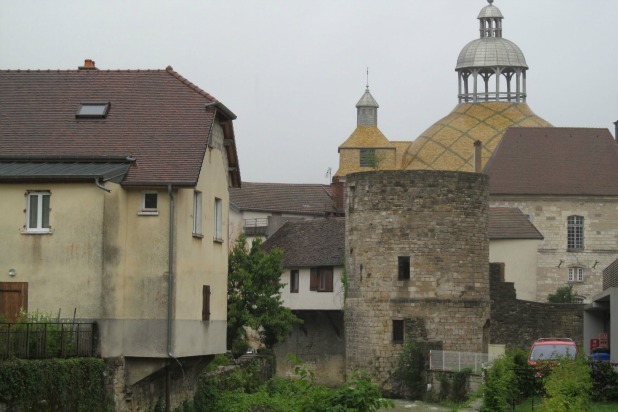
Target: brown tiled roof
[554, 161]
[313, 242]
[510, 223]
[283, 197]
[156, 116]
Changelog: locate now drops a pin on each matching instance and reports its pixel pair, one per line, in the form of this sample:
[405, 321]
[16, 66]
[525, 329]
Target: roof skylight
[93, 110]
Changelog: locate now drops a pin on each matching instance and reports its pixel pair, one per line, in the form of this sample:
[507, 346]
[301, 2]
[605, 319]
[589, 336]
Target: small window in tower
[93, 110]
[398, 331]
[368, 158]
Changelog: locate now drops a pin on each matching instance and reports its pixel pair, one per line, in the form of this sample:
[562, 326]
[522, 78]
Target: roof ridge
[191, 85]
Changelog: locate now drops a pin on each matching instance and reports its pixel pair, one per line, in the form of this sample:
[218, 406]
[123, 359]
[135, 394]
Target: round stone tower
[417, 253]
[492, 97]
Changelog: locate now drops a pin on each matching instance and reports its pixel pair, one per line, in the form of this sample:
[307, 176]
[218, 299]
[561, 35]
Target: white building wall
[520, 264]
[307, 299]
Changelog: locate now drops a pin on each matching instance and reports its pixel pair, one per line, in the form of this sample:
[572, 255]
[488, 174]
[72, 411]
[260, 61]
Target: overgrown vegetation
[563, 294]
[410, 372]
[254, 296]
[54, 385]
[240, 391]
[566, 384]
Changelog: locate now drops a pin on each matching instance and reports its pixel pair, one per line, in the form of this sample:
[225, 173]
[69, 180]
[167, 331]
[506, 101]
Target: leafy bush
[568, 387]
[410, 370]
[500, 389]
[54, 384]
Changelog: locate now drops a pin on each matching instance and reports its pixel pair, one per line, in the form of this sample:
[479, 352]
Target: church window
[398, 330]
[576, 274]
[367, 157]
[404, 268]
[575, 232]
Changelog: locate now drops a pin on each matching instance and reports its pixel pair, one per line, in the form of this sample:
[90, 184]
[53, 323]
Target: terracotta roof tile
[156, 116]
[554, 161]
[314, 242]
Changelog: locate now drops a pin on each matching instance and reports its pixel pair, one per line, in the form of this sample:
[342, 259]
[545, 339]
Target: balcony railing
[39, 340]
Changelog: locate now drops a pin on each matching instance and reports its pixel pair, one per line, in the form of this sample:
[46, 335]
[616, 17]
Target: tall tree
[254, 296]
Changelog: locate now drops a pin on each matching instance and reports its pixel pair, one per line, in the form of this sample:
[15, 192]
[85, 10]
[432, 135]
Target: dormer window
[93, 110]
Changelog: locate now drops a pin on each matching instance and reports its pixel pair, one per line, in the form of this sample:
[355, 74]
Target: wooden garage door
[13, 296]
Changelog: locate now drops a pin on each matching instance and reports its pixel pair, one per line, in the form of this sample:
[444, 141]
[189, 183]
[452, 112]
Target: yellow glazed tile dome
[449, 143]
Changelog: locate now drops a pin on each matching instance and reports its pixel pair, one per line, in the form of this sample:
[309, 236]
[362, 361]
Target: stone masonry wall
[518, 323]
[549, 215]
[440, 220]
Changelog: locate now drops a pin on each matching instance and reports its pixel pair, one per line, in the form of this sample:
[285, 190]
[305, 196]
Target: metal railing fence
[456, 361]
[44, 340]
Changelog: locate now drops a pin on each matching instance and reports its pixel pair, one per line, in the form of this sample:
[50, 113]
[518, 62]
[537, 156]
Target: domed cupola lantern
[367, 110]
[491, 55]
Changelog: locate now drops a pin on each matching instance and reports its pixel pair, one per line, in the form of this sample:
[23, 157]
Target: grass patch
[528, 405]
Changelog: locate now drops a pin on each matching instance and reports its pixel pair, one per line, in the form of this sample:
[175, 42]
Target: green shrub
[410, 371]
[568, 387]
[500, 390]
[54, 384]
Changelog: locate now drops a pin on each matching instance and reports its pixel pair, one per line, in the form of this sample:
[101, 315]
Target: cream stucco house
[114, 188]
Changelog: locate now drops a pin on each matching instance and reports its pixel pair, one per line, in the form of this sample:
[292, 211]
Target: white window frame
[576, 274]
[575, 232]
[218, 220]
[197, 213]
[41, 212]
[148, 211]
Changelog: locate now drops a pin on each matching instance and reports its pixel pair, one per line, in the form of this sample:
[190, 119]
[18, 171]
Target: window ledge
[36, 232]
[148, 213]
[217, 240]
[198, 235]
[575, 250]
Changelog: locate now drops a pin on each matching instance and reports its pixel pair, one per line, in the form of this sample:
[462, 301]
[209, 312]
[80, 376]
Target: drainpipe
[170, 291]
[100, 186]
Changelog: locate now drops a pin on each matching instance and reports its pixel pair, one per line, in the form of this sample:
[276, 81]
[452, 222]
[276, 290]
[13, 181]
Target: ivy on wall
[54, 384]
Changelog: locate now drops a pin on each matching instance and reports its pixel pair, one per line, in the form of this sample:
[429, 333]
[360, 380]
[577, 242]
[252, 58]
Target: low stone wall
[518, 323]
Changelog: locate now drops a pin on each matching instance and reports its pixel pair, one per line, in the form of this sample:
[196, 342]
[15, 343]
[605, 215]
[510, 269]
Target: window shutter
[329, 280]
[206, 302]
[313, 279]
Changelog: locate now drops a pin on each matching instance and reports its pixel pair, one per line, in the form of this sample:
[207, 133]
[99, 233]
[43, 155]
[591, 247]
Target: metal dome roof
[491, 52]
[490, 11]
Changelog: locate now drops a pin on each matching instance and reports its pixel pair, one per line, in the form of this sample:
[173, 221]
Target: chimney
[477, 156]
[88, 65]
[616, 131]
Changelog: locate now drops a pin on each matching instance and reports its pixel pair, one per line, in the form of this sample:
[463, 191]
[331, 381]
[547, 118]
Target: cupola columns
[367, 110]
[491, 55]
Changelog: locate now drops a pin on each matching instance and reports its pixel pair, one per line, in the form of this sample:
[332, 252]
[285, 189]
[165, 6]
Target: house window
[197, 213]
[404, 268]
[575, 230]
[293, 281]
[93, 110]
[218, 220]
[205, 302]
[149, 204]
[398, 330]
[321, 279]
[37, 212]
[367, 157]
[576, 274]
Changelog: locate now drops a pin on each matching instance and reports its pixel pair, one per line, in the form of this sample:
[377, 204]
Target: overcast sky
[293, 70]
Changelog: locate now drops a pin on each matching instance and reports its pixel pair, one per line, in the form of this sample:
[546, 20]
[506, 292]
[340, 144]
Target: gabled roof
[554, 161]
[310, 199]
[510, 223]
[313, 242]
[157, 117]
